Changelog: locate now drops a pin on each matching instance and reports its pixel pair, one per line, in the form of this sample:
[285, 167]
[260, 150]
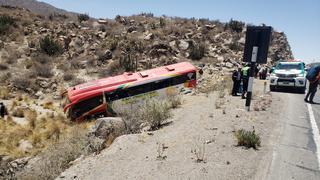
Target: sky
[298, 19]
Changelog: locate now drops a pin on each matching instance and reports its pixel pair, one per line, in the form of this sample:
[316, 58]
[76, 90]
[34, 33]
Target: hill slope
[36, 7]
[43, 54]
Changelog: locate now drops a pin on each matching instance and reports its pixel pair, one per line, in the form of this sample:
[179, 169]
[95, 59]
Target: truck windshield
[289, 66]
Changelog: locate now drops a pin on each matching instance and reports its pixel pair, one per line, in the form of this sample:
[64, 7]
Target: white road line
[315, 132]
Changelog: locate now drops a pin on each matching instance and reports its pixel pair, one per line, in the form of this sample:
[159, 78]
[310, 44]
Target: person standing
[3, 110]
[245, 79]
[313, 84]
[236, 78]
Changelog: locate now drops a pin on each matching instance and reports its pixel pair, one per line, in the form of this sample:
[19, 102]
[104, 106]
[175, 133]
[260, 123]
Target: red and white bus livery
[102, 97]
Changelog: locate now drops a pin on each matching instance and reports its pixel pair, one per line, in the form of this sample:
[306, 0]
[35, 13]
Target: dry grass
[174, 100]
[40, 132]
[199, 150]
[4, 93]
[18, 112]
[219, 103]
[59, 156]
[48, 105]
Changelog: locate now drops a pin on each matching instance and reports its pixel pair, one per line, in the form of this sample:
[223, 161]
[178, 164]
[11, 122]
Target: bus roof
[96, 87]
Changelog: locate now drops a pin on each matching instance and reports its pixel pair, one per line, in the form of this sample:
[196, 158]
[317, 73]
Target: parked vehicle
[104, 97]
[288, 74]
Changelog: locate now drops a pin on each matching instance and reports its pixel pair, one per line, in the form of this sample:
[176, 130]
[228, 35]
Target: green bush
[236, 26]
[83, 17]
[197, 51]
[51, 47]
[5, 23]
[162, 22]
[248, 138]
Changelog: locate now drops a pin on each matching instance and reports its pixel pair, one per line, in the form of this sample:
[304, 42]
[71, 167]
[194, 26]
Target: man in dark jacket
[313, 84]
[236, 78]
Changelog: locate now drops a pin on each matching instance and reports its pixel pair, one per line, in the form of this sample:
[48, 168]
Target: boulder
[183, 45]
[104, 127]
[25, 146]
[102, 21]
[228, 65]
[107, 54]
[148, 36]
[39, 95]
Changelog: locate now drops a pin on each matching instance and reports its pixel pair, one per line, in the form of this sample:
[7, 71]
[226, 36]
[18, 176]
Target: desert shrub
[128, 62]
[77, 81]
[146, 14]
[42, 59]
[155, 113]
[248, 138]
[113, 44]
[152, 113]
[21, 83]
[51, 47]
[235, 46]
[4, 93]
[31, 117]
[5, 23]
[162, 22]
[3, 66]
[18, 112]
[83, 17]
[68, 76]
[197, 51]
[219, 103]
[174, 100]
[236, 26]
[5, 77]
[42, 70]
[199, 150]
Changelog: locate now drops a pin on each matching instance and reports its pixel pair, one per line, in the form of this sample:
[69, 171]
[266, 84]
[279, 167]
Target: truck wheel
[272, 88]
[302, 90]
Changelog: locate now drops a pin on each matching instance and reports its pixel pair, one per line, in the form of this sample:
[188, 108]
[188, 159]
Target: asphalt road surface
[296, 153]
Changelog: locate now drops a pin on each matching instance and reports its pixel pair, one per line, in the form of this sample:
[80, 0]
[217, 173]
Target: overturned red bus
[98, 98]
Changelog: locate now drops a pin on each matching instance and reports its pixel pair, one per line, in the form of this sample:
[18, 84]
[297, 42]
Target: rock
[104, 127]
[25, 146]
[209, 26]
[183, 45]
[107, 54]
[39, 95]
[131, 29]
[172, 44]
[148, 36]
[242, 40]
[228, 65]
[220, 58]
[102, 21]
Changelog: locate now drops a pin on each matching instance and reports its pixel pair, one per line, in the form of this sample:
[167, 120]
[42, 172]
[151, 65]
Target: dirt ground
[198, 121]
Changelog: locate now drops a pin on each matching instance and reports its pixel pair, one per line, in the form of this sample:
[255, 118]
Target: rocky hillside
[42, 54]
[37, 7]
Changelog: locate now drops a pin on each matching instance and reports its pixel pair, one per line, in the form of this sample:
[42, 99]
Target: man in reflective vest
[245, 72]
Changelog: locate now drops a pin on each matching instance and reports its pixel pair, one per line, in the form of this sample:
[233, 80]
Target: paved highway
[296, 153]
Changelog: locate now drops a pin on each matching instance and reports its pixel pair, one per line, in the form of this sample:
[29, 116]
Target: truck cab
[291, 75]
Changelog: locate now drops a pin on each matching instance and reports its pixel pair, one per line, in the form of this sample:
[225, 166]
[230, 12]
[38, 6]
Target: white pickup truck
[290, 75]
